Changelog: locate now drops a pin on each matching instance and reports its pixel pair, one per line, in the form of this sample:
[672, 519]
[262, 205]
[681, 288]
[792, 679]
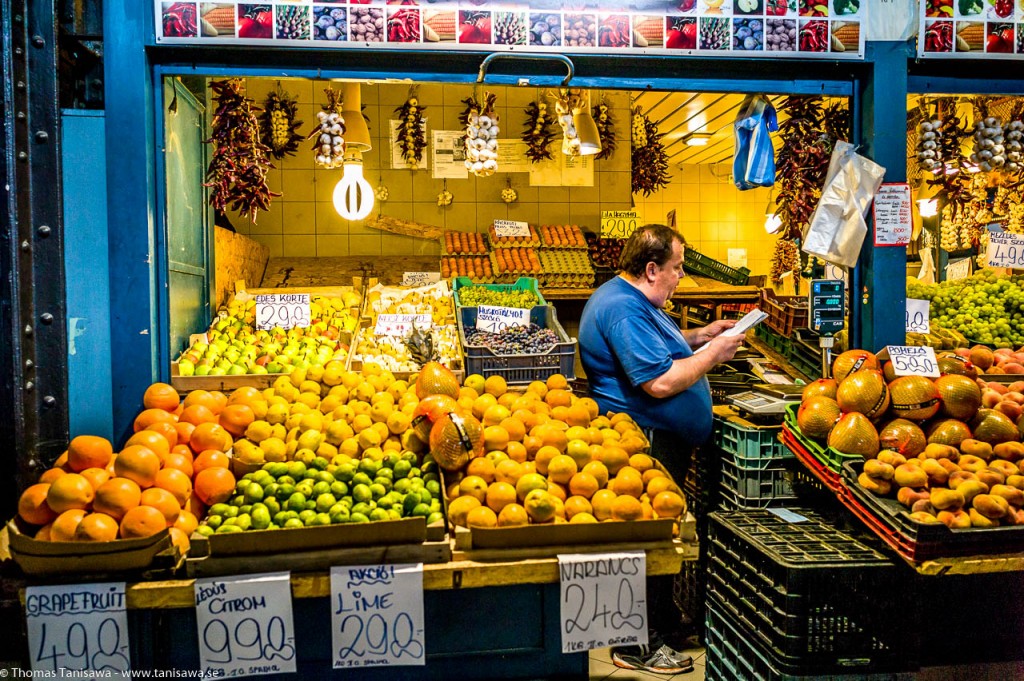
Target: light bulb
[927, 207]
[353, 195]
[772, 223]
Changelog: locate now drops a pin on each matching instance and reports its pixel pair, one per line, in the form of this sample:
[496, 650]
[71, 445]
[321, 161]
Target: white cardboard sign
[908, 360]
[494, 319]
[80, 627]
[918, 316]
[245, 625]
[893, 217]
[420, 278]
[511, 228]
[1005, 250]
[377, 615]
[401, 324]
[286, 310]
[960, 269]
[603, 600]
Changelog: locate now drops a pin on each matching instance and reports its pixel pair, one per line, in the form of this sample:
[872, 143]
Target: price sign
[287, 310]
[494, 319]
[618, 224]
[507, 228]
[377, 615]
[893, 217]
[1006, 250]
[960, 269]
[245, 625]
[603, 600]
[420, 278]
[81, 627]
[913, 361]
[918, 316]
[401, 324]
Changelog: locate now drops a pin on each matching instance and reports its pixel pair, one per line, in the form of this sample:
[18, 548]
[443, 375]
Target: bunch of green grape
[471, 296]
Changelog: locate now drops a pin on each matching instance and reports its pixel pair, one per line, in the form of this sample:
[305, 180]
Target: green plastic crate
[829, 457]
[523, 283]
[698, 263]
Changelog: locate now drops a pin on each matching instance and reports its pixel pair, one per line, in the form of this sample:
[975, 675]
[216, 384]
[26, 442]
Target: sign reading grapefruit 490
[910, 360]
[286, 310]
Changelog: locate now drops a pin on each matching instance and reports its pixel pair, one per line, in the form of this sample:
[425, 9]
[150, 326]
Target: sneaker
[664, 660]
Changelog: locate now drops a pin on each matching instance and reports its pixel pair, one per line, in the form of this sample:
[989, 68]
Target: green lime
[305, 487]
[262, 477]
[421, 510]
[362, 507]
[272, 504]
[394, 514]
[293, 522]
[434, 487]
[369, 466]
[286, 479]
[415, 472]
[320, 463]
[324, 476]
[362, 493]
[280, 517]
[217, 509]
[345, 472]
[253, 493]
[296, 469]
[379, 514]
[378, 490]
[361, 479]
[306, 514]
[339, 489]
[358, 518]
[324, 502]
[245, 508]
[391, 458]
[401, 486]
[310, 504]
[276, 468]
[284, 491]
[205, 530]
[238, 500]
[214, 521]
[338, 514]
[260, 519]
[401, 469]
[230, 512]
[270, 490]
[297, 502]
[321, 488]
[229, 529]
[409, 502]
[434, 517]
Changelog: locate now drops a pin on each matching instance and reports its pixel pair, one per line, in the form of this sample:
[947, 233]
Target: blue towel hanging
[754, 161]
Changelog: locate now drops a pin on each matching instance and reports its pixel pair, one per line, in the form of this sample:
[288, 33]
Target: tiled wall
[713, 215]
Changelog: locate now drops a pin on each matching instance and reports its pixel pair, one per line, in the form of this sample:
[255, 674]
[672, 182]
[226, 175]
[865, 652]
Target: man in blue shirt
[638, 361]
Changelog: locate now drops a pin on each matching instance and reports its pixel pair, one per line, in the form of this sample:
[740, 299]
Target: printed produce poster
[832, 29]
[966, 29]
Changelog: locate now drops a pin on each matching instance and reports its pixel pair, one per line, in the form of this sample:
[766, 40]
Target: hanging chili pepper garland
[412, 139]
[538, 132]
[237, 172]
[602, 114]
[278, 125]
[649, 160]
[328, 135]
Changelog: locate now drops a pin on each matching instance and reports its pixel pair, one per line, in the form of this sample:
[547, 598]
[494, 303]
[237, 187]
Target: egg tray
[513, 272]
[463, 243]
[548, 235]
[532, 241]
[459, 266]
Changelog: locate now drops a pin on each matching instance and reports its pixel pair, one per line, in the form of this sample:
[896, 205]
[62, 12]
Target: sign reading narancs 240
[829, 29]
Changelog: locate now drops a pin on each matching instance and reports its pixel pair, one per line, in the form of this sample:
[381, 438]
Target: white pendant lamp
[353, 195]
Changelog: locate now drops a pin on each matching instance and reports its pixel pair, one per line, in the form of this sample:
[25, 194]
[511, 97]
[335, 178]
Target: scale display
[827, 301]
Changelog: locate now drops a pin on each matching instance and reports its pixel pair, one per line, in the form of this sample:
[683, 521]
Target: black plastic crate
[690, 591]
[732, 655]
[814, 596]
[518, 369]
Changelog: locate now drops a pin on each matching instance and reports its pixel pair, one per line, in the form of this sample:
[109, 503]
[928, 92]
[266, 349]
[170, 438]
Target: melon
[993, 427]
[823, 386]
[816, 416]
[948, 432]
[455, 439]
[959, 395]
[906, 437]
[914, 397]
[863, 391]
[851, 361]
[854, 434]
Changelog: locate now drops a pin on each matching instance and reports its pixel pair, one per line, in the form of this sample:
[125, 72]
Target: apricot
[923, 517]
[937, 475]
[978, 520]
[957, 519]
[1004, 467]
[972, 463]
[891, 457]
[1009, 451]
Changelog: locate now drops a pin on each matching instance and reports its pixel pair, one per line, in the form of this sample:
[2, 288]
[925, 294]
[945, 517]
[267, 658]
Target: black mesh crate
[816, 597]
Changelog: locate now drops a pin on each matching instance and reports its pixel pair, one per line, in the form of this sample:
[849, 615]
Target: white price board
[603, 600]
[81, 627]
[420, 278]
[918, 316]
[619, 224]
[494, 319]
[913, 361]
[961, 269]
[892, 213]
[1005, 250]
[286, 310]
[401, 324]
[245, 625]
[511, 228]
[377, 615]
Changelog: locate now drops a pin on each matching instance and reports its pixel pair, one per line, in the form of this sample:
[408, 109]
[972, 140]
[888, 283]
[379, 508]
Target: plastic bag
[837, 229]
[754, 160]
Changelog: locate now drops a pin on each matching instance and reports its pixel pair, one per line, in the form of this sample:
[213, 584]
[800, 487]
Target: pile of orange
[162, 478]
[550, 457]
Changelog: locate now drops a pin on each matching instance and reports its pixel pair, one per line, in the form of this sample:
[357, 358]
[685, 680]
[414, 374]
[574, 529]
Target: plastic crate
[775, 341]
[699, 314]
[770, 482]
[733, 656]
[920, 541]
[527, 283]
[785, 313]
[520, 369]
[750, 444]
[825, 477]
[831, 458]
[689, 590]
[810, 593]
[698, 263]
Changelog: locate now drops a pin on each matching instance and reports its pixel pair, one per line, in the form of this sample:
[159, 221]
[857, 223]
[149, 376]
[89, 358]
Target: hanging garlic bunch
[929, 151]
[989, 152]
[639, 129]
[411, 137]
[481, 135]
[566, 105]
[445, 198]
[1013, 133]
[330, 143]
[381, 192]
[508, 194]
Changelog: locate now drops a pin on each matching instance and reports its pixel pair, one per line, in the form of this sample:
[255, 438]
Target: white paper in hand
[748, 321]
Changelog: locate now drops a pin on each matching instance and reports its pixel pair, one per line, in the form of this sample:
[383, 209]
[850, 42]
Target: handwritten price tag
[377, 615]
[961, 269]
[893, 218]
[245, 625]
[401, 324]
[1006, 250]
[913, 361]
[286, 310]
[420, 278]
[494, 319]
[81, 627]
[603, 600]
[511, 228]
[918, 316]
[619, 224]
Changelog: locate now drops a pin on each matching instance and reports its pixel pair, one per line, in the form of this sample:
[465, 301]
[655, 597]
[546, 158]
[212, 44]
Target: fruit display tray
[808, 592]
[522, 283]
[520, 369]
[785, 313]
[925, 541]
[833, 459]
[457, 364]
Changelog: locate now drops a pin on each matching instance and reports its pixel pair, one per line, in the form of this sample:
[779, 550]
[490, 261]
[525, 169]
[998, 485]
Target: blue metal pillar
[879, 290]
[134, 330]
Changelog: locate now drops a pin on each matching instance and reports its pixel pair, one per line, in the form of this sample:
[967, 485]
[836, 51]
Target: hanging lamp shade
[586, 130]
[357, 134]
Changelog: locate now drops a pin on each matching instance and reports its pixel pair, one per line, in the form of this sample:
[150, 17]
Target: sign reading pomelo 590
[286, 310]
[908, 360]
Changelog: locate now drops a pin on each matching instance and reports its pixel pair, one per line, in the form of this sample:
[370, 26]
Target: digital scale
[827, 309]
[765, 399]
